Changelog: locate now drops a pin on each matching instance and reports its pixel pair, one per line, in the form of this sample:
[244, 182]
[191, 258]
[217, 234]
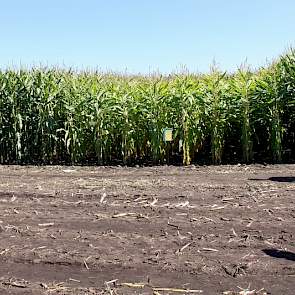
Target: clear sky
[144, 35]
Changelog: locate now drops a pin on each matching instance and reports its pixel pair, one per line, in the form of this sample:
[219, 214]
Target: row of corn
[62, 116]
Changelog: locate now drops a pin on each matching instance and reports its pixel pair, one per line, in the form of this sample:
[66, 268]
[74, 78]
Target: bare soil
[153, 230]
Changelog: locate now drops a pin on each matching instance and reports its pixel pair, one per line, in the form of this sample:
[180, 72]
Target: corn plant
[270, 111]
[243, 86]
[64, 116]
[215, 92]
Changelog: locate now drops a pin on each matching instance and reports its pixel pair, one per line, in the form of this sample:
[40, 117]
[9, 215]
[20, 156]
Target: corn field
[51, 116]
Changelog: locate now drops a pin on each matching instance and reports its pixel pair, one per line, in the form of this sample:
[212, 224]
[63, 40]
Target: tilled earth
[153, 230]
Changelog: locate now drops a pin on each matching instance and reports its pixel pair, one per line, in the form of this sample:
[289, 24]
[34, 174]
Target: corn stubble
[59, 116]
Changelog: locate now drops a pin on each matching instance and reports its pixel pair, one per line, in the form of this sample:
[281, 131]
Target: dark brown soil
[219, 230]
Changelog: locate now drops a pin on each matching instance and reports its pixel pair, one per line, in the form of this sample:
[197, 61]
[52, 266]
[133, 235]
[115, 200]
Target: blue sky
[145, 36]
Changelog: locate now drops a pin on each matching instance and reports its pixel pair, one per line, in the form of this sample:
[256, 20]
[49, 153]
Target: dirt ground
[153, 230]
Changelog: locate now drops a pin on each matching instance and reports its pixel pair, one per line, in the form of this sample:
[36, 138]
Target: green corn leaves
[56, 116]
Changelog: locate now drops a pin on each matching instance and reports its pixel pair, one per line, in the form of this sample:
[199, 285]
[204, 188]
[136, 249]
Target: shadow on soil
[277, 179]
[280, 254]
[283, 179]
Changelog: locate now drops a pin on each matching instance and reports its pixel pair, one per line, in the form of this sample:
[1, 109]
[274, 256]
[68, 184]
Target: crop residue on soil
[153, 230]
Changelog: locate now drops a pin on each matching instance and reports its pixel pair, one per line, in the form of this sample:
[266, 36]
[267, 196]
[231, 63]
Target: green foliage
[242, 89]
[57, 116]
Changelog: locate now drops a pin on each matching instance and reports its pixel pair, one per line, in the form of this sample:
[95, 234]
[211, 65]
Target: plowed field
[152, 230]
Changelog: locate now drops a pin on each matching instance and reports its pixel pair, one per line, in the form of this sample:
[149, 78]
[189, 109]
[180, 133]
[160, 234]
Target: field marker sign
[167, 134]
